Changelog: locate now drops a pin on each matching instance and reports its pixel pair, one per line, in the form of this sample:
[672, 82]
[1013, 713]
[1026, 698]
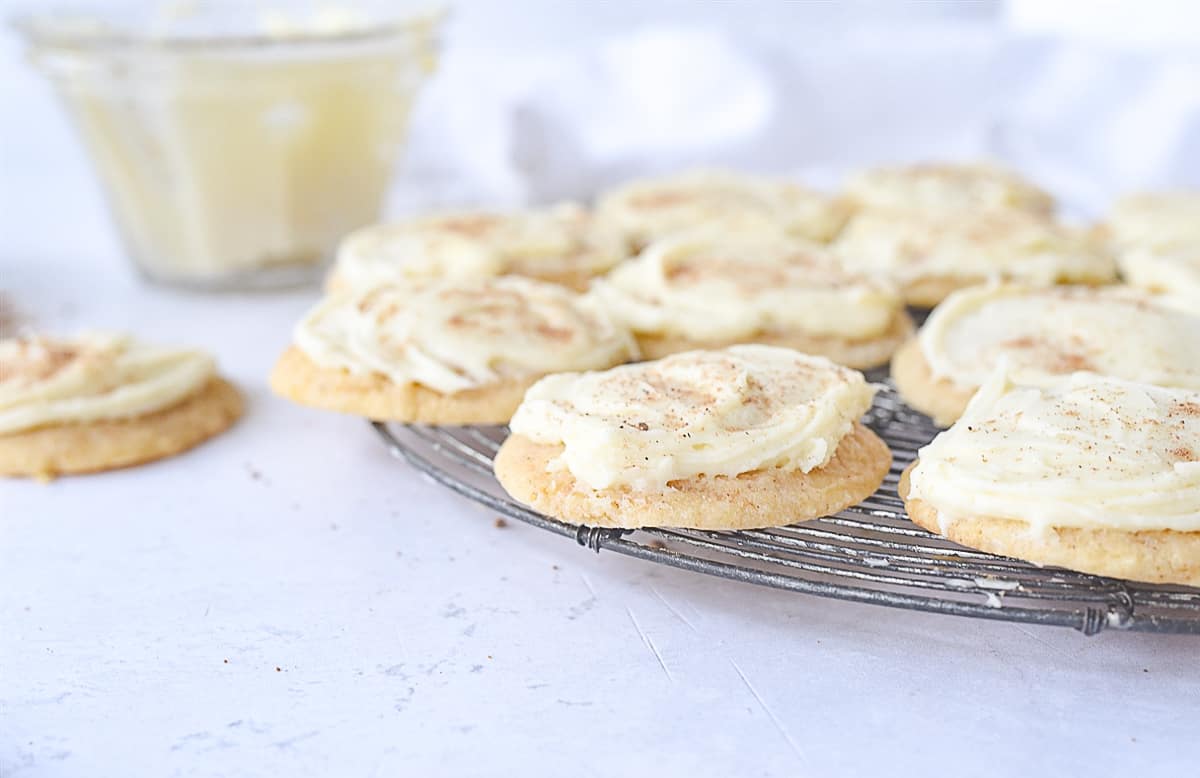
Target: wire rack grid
[868, 553]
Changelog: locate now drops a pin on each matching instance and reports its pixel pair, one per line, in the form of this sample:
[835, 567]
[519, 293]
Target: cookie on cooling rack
[444, 352]
[1093, 473]
[929, 254]
[947, 187]
[708, 289]
[561, 244]
[103, 401]
[749, 436]
[648, 209]
[1042, 334]
[1156, 238]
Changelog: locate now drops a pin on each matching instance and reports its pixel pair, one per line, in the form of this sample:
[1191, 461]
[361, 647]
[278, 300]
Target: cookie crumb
[500, 523]
[656, 544]
[226, 661]
[279, 669]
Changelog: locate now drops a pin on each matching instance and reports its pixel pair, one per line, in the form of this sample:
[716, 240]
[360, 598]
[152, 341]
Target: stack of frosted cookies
[1074, 438]
[100, 401]
[933, 229]
[470, 318]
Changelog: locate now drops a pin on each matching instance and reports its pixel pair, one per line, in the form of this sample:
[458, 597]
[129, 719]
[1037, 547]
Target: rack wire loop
[595, 537]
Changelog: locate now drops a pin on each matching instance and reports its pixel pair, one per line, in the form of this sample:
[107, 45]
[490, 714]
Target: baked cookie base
[938, 398]
[858, 354]
[299, 379]
[107, 445]
[1152, 556]
[762, 498]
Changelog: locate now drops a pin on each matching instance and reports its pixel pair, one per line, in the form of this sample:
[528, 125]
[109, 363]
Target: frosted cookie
[444, 352]
[1157, 242]
[1095, 474]
[646, 210]
[946, 188]
[100, 402]
[929, 255]
[749, 436]
[707, 289]
[561, 244]
[1042, 335]
[1155, 220]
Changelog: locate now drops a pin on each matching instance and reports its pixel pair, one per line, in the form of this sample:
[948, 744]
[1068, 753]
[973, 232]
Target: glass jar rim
[85, 32]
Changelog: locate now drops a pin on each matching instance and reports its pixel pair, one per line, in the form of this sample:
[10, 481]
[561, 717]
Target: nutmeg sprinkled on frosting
[909, 245]
[709, 285]
[1044, 333]
[653, 208]
[1089, 451]
[554, 241]
[722, 412]
[456, 335]
[46, 381]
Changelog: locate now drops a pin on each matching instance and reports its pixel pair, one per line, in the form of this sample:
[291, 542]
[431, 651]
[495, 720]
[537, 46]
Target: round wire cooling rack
[869, 553]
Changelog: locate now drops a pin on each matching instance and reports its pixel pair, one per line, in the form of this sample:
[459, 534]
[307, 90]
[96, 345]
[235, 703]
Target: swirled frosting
[714, 285]
[723, 412]
[554, 241]
[1089, 451]
[452, 336]
[1042, 334]
[93, 377]
[654, 208]
[947, 187]
[910, 245]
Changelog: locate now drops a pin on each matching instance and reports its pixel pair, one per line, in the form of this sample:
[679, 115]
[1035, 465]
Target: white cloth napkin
[508, 125]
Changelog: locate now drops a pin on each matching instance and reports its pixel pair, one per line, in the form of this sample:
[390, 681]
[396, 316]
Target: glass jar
[235, 147]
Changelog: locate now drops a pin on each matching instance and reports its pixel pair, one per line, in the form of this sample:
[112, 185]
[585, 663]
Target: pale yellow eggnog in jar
[237, 146]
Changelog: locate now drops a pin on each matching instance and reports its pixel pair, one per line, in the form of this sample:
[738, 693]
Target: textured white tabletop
[289, 600]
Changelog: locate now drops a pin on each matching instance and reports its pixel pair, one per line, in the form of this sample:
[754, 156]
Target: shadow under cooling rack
[869, 553]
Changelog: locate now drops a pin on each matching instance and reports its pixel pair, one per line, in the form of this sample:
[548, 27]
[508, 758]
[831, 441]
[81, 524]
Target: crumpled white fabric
[508, 125]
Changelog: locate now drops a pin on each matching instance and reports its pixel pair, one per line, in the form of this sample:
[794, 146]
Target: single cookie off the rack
[744, 437]
[103, 401]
